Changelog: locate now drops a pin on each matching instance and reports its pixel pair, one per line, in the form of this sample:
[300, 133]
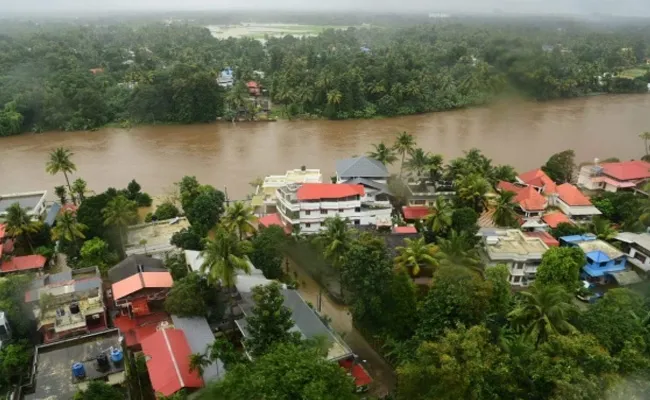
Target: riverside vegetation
[67, 76]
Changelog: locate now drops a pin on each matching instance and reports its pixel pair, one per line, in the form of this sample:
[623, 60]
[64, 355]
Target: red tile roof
[405, 229]
[168, 362]
[274, 219]
[538, 178]
[68, 207]
[530, 200]
[361, 377]
[137, 329]
[555, 218]
[24, 263]
[546, 238]
[2, 231]
[317, 191]
[572, 195]
[627, 170]
[252, 84]
[509, 187]
[140, 281]
[415, 212]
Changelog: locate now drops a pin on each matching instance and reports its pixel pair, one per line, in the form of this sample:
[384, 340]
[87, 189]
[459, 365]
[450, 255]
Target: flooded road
[520, 133]
[384, 379]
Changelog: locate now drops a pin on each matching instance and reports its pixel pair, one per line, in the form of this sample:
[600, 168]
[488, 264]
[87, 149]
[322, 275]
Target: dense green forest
[151, 72]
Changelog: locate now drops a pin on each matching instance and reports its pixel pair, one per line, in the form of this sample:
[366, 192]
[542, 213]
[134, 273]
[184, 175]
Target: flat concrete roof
[157, 234]
[26, 200]
[53, 378]
[501, 244]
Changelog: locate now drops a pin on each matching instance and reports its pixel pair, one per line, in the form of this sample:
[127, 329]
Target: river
[521, 133]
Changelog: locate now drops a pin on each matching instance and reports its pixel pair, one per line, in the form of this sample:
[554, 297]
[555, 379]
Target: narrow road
[384, 379]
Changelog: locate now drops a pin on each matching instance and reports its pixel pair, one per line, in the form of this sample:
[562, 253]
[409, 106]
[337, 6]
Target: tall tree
[62, 194]
[267, 254]
[383, 154]
[602, 228]
[336, 241]
[60, 161]
[504, 210]
[404, 144]
[68, 228]
[199, 362]
[561, 166]
[186, 297]
[240, 218]
[120, 213]
[19, 224]
[471, 190]
[223, 256]
[418, 162]
[270, 322]
[543, 311]
[415, 255]
[561, 266]
[439, 219]
[458, 250]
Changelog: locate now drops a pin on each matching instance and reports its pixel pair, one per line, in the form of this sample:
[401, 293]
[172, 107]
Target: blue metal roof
[596, 272]
[578, 238]
[598, 256]
[52, 213]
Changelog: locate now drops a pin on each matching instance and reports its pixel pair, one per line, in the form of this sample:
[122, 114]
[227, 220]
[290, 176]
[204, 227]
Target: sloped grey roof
[370, 183]
[362, 167]
[52, 213]
[129, 266]
[641, 239]
[199, 337]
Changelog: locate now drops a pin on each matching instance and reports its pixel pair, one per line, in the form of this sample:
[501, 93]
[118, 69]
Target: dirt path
[341, 321]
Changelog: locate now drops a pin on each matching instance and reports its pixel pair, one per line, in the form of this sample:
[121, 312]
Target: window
[519, 265]
[323, 212]
[640, 257]
[357, 209]
[516, 279]
[340, 210]
[603, 264]
[307, 225]
[357, 222]
[307, 212]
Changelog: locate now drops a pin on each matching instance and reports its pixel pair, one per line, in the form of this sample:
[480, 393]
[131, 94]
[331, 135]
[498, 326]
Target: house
[199, 336]
[225, 78]
[61, 369]
[603, 261]
[254, 88]
[520, 253]
[538, 180]
[614, 176]
[546, 237]
[138, 281]
[574, 204]
[66, 304]
[415, 213]
[167, 352]
[31, 263]
[530, 204]
[273, 219]
[555, 218]
[32, 202]
[423, 192]
[369, 173]
[265, 194]
[310, 204]
[154, 238]
[636, 247]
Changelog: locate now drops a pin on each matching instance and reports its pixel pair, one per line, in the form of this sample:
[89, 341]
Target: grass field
[260, 31]
[632, 73]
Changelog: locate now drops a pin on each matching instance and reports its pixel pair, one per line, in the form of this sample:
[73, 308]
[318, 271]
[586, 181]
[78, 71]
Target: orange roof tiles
[555, 218]
[415, 212]
[627, 170]
[572, 195]
[530, 200]
[546, 237]
[24, 263]
[140, 281]
[538, 178]
[508, 187]
[405, 229]
[317, 191]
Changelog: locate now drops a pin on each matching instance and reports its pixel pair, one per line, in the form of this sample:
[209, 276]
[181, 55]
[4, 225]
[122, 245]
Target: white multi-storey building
[310, 204]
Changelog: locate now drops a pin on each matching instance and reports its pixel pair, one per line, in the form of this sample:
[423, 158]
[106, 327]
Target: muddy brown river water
[520, 133]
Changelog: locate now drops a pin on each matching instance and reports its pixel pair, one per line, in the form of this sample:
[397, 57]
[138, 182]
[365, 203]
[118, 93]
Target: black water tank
[102, 361]
[74, 308]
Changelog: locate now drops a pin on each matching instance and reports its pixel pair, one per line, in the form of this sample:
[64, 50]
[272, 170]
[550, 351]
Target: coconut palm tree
[601, 227]
[645, 136]
[418, 162]
[383, 154]
[404, 144]
[19, 224]
[504, 210]
[240, 218]
[199, 362]
[336, 241]
[457, 250]
[416, 255]
[471, 190]
[69, 229]
[223, 256]
[542, 312]
[334, 96]
[120, 212]
[79, 187]
[439, 219]
[60, 161]
[61, 193]
[435, 167]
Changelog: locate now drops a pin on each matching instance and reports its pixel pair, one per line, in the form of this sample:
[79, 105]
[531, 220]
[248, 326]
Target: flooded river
[520, 133]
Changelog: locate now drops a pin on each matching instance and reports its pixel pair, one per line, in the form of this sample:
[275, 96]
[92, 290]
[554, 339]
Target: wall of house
[606, 265]
[522, 273]
[585, 178]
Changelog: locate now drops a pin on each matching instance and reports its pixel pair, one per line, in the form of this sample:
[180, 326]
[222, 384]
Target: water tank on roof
[78, 370]
[492, 240]
[116, 355]
[102, 361]
[74, 308]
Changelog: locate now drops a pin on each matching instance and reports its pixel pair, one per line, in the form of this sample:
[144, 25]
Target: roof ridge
[173, 357]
